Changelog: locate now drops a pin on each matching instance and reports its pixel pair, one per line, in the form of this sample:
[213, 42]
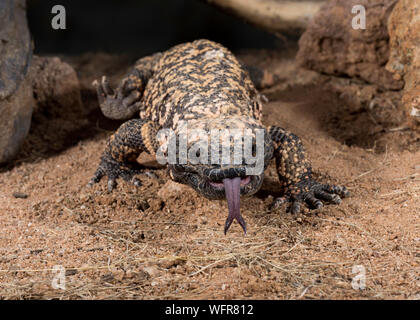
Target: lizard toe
[330, 197]
[295, 207]
[112, 183]
[313, 202]
[277, 203]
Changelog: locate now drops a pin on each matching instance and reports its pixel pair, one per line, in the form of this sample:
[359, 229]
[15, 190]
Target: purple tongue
[233, 193]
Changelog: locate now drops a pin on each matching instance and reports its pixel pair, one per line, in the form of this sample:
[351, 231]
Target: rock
[16, 100]
[51, 92]
[59, 119]
[384, 106]
[15, 121]
[173, 189]
[20, 195]
[56, 87]
[151, 271]
[331, 46]
[368, 67]
[15, 46]
[404, 61]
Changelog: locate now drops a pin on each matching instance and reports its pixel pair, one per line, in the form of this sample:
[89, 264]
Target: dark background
[138, 27]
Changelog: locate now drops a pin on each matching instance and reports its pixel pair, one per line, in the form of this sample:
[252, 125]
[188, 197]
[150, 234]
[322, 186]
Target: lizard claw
[313, 194]
[277, 202]
[103, 89]
[137, 182]
[96, 177]
[111, 184]
[114, 170]
[121, 105]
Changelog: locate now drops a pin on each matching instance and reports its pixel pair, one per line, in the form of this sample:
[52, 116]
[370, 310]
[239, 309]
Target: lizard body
[201, 86]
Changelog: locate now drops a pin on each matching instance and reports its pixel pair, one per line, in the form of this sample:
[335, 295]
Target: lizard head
[227, 161]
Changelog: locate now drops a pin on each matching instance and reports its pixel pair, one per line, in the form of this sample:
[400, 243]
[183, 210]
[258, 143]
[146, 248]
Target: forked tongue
[233, 196]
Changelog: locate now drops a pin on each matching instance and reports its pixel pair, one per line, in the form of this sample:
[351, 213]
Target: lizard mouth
[221, 185]
[230, 184]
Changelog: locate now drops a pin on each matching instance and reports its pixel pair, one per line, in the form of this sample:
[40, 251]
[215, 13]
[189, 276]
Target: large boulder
[56, 87]
[59, 119]
[376, 69]
[44, 86]
[404, 61]
[332, 46]
[16, 98]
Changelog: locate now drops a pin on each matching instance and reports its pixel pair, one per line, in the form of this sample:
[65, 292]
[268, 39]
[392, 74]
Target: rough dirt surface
[163, 240]
[404, 59]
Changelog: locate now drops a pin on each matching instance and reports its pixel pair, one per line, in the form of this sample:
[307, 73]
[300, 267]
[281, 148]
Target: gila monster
[202, 84]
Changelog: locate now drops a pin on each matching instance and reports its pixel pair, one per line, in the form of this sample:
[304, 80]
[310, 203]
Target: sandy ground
[163, 240]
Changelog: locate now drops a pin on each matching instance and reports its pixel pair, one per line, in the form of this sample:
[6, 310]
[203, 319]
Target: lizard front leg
[124, 102]
[122, 149]
[295, 174]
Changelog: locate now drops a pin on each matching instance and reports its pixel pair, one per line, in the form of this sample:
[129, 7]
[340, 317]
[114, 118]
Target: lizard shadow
[51, 132]
[58, 123]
